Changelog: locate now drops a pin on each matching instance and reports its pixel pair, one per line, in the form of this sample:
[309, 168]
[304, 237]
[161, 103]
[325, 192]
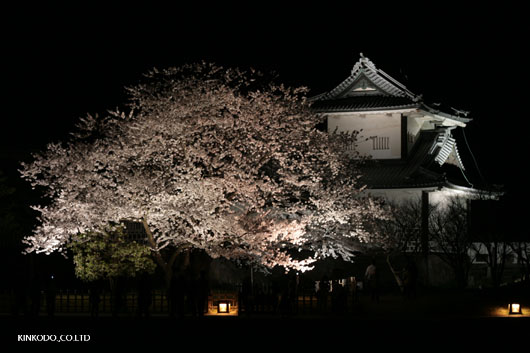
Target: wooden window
[380, 143]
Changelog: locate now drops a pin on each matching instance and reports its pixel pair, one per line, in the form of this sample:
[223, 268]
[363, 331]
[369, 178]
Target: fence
[78, 302]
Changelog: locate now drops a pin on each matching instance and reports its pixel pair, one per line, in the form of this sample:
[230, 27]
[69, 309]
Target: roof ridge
[364, 66]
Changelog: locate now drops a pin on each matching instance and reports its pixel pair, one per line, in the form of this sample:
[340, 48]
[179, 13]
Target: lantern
[515, 309]
[222, 303]
[223, 307]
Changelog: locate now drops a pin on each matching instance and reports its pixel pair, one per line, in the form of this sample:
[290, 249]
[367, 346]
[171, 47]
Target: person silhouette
[117, 296]
[410, 275]
[322, 294]
[202, 293]
[144, 295]
[371, 275]
[246, 295]
[51, 292]
[352, 289]
[20, 295]
[35, 295]
[177, 295]
[285, 299]
[94, 299]
[172, 296]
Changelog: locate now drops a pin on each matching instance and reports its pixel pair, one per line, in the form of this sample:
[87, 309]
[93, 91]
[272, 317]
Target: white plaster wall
[413, 130]
[396, 196]
[436, 196]
[413, 125]
[381, 125]
[442, 197]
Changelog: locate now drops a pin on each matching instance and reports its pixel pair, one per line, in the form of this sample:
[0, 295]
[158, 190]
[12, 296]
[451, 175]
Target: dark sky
[60, 64]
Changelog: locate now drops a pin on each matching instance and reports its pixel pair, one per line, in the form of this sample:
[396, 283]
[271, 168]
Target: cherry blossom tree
[211, 158]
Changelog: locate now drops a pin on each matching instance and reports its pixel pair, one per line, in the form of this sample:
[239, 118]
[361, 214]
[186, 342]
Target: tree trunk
[115, 299]
[461, 277]
[396, 275]
[498, 261]
[167, 267]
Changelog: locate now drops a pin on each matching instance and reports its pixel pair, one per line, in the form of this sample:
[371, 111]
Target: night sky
[61, 65]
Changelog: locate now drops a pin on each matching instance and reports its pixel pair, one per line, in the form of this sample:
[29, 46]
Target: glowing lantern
[515, 308]
[223, 307]
[222, 303]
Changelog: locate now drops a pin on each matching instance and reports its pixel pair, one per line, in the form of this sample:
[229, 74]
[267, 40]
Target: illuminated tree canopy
[211, 158]
[110, 255]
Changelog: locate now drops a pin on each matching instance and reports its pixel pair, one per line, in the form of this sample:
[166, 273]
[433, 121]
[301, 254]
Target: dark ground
[278, 334]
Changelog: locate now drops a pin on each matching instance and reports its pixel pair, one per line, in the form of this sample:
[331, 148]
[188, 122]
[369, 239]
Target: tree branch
[152, 243]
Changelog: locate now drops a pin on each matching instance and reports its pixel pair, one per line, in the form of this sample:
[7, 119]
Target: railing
[79, 302]
[74, 301]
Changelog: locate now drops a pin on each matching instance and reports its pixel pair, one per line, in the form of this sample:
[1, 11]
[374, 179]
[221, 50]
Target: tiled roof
[365, 68]
[445, 146]
[364, 103]
[368, 88]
